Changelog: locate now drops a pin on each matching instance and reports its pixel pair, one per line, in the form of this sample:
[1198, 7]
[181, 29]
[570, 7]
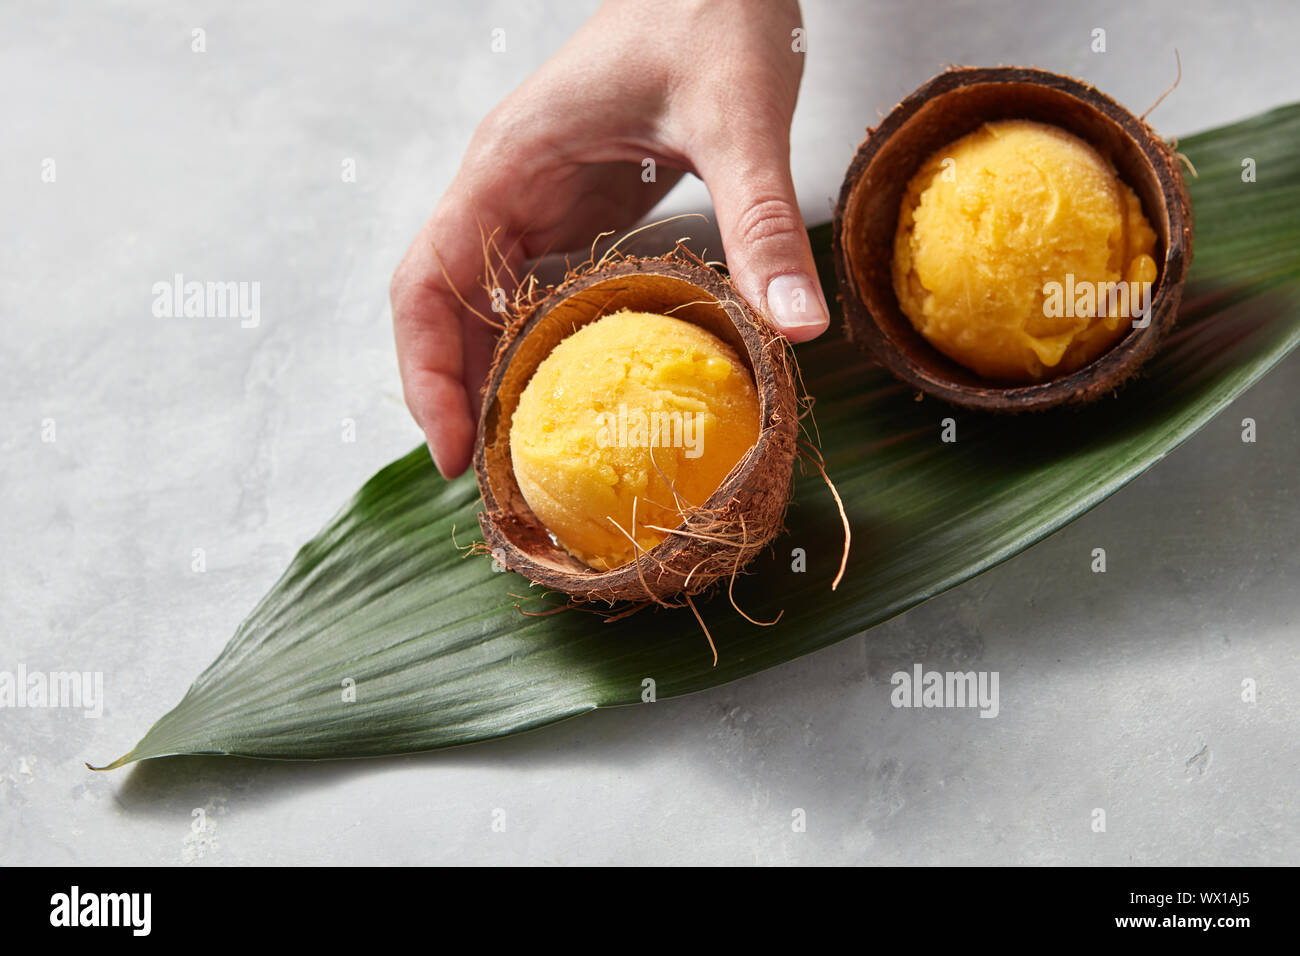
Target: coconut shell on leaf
[727, 531]
[943, 110]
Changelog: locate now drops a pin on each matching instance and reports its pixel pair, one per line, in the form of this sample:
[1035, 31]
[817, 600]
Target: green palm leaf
[437, 652]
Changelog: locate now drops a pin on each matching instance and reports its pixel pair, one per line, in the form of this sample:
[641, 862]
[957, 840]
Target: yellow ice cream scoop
[627, 425]
[1020, 254]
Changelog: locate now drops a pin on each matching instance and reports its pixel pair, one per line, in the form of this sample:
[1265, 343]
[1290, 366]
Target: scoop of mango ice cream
[630, 422]
[990, 222]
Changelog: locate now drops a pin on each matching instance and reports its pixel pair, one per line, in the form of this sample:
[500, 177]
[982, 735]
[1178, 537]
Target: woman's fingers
[768, 254]
[442, 345]
[739, 144]
[590, 143]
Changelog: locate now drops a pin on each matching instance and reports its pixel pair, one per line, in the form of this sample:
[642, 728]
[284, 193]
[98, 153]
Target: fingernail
[795, 304]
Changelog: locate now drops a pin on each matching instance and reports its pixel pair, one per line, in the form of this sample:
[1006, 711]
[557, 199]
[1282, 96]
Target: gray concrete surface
[1119, 691]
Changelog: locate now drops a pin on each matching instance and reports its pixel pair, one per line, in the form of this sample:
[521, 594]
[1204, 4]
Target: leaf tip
[119, 762]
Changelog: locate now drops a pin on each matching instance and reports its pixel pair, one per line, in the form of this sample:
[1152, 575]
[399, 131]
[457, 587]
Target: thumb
[763, 234]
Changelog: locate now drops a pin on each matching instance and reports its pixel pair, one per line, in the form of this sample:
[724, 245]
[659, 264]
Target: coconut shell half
[946, 108]
[748, 508]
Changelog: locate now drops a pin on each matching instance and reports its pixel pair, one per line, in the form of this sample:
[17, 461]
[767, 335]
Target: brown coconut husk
[717, 539]
[941, 111]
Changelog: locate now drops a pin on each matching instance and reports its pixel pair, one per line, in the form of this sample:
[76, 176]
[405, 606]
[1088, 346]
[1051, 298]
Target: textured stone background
[1118, 691]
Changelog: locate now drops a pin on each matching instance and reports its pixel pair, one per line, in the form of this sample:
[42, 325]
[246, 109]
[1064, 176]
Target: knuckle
[767, 220]
[400, 287]
[497, 131]
[487, 133]
[406, 290]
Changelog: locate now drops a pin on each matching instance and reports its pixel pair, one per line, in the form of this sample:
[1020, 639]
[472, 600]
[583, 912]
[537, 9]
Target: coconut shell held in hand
[733, 525]
[942, 111]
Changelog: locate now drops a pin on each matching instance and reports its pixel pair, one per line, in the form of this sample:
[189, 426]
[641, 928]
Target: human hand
[701, 87]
